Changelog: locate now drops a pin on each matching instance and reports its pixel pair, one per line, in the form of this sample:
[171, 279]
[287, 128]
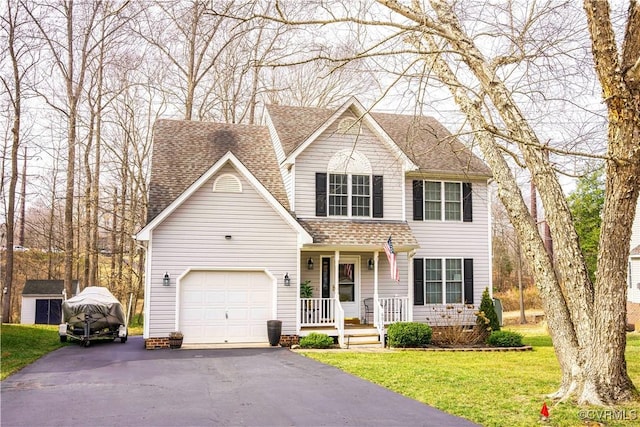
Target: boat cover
[96, 301]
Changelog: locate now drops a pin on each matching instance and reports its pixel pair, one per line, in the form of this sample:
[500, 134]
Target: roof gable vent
[349, 126]
[227, 183]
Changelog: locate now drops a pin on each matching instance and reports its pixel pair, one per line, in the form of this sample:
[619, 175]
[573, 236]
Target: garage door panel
[225, 306]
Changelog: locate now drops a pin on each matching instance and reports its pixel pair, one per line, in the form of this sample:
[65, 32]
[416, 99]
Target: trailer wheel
[63, 338]
[123, 340]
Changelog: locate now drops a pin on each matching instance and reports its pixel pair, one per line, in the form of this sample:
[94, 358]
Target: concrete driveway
[113, 384]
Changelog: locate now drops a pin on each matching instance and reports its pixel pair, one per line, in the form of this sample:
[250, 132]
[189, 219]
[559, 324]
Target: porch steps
[361, 337]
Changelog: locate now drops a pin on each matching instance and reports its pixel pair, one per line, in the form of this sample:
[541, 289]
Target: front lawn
[491, 389]
[23, 344]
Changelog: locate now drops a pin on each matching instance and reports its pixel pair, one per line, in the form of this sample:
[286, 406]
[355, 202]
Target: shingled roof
[430, 145]
[635, 251]
[184, 150]
[423, 139]
[45, 287]
[359, 233]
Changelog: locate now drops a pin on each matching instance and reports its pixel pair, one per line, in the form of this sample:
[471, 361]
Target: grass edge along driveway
[489, 388]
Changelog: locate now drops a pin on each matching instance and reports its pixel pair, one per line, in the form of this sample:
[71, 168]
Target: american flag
[391, 256]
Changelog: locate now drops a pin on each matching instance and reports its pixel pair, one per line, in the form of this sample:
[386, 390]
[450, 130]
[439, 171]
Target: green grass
[492, 389]
[21, 345]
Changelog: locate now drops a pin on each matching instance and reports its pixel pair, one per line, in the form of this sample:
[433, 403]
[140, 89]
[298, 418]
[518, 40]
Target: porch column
[410, 256]
[336, 275]
[375, 276]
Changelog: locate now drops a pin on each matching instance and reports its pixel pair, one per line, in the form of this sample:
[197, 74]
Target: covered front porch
[347, 287]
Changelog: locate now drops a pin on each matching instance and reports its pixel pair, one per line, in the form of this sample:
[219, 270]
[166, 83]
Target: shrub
[505, 339]
[409, 334]
[488, 310]
[316, 340]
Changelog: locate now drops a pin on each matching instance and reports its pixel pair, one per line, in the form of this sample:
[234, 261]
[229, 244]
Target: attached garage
[226, 306]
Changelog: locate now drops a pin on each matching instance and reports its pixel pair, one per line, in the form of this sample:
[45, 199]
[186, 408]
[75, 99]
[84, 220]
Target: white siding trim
[145, 233]
[147, 288]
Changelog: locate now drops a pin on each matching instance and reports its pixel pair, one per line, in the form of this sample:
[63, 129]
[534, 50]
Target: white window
[443, 288]
[442, 200]
[349, 195]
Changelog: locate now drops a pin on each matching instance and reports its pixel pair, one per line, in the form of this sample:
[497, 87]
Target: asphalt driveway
[113, 384]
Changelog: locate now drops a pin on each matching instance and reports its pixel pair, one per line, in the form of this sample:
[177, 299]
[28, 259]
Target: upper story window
[348, 188]
[442, 201]
[349, 193]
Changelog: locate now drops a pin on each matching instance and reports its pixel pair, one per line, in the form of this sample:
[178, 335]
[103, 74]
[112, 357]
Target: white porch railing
[317, 311]
[394, 309]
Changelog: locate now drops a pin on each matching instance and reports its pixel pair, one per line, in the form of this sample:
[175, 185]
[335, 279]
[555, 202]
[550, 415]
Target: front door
[349, 286]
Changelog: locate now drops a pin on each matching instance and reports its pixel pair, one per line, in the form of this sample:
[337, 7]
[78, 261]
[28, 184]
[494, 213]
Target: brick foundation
[156, 343]
[289, 340]
[160, 343]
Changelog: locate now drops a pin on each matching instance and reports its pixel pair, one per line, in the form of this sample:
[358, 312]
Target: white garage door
[225, 306]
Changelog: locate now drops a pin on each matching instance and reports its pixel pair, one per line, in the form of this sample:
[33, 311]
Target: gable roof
[426, 143]
[46, 287]
[229, 157]
[635, 251]
[184, 150]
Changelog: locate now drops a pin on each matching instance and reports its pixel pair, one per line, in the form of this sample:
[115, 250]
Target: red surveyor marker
[544, 411]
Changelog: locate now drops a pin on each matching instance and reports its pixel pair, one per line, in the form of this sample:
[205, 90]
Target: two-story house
[386, 217]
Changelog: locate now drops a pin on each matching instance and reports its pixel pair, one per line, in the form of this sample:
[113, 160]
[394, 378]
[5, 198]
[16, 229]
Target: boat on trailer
[93, 314]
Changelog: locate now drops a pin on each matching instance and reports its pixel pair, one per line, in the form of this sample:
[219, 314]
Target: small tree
[486, 307]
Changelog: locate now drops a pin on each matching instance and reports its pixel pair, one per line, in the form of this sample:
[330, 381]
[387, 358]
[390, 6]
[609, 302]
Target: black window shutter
[418, 201]
[377, 197]
[468, 281]
[467, 204]
[418, 281]
[321, 194]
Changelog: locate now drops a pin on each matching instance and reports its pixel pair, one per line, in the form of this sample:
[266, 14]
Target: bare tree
[495, 60]
[21, 62]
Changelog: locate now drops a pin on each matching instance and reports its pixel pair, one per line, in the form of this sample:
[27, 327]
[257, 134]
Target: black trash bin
[274, 330]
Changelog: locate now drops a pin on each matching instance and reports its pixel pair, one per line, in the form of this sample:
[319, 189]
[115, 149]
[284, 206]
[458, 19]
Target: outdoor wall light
[287, 279]
[228, 237]
[310, 264]
[166, 281]
[370, 264]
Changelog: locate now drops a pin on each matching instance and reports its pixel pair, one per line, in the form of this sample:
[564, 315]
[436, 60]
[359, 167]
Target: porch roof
[360, 234]
[634, 252]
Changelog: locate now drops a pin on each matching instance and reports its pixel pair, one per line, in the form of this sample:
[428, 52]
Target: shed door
[225, 306]
[48, 311]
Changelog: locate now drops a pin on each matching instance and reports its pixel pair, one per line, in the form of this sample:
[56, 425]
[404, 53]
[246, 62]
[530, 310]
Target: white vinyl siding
[194, 236]
[456, 239]
[316, 158]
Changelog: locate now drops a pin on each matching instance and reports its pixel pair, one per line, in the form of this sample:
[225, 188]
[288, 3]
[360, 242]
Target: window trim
[443, 280]
[350, 195]
[443, 201]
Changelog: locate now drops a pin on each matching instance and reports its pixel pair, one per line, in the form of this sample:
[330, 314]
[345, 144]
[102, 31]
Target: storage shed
[42, 301]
